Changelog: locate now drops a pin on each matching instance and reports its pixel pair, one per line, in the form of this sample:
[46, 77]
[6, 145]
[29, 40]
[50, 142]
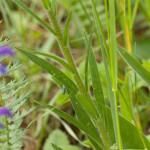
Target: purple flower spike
[6, 51]
[3, 69]
[5, 112]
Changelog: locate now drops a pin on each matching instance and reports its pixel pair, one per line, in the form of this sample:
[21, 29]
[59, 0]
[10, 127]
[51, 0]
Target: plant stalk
[104, 135]
[66, 50]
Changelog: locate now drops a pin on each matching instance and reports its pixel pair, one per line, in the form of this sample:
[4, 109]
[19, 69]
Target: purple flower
[6, 51]
[3, 69]
[1, 126]
[5, 112]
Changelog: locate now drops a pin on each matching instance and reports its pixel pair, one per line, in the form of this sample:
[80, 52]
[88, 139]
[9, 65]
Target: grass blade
[137, 67]
[87, 44]
[112, 99]
[97, 87]
[66, 34]
[113, 45]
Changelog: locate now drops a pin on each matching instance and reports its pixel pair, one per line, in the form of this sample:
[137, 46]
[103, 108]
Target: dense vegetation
[77, 76]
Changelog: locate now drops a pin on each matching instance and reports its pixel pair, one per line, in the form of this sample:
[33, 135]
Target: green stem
[104, 134]
[69, 58]
[66, 50]
[6, 120]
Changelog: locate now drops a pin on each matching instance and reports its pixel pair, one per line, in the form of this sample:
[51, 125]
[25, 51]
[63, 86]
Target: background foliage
[104, 63]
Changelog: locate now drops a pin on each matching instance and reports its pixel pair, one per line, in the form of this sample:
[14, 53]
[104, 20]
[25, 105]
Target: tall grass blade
[97, 87]
[112, 99]
[86, 70]
[66, 34]
[137, 67]
[134, 12]
[113, 46]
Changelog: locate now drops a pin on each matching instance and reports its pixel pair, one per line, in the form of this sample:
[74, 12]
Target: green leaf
[88, 44]
[55, 147]
[59, 138]
[55, 72]
[129, 133]
[56, 58]
[72, 120]
[126, 99]
[113, 44]
[85, 119]
[46, 4]
[88, 105]
[133, 142]
[112, 98]
[56, 137]
[96, 82]
[19, 3]
[66, 34]
[53, 6]
[137, 67]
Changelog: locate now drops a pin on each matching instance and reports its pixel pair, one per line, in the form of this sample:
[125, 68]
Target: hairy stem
[66, 50]
[105, 138]
[6, 120]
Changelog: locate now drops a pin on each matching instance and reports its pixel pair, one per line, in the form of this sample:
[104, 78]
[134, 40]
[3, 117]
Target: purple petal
[3, 69]
[1, 126]
[5, 112]
[6, 51]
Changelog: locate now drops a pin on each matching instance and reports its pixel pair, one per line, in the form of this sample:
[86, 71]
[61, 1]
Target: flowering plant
[11, 133]
[5, 112]
[5, 51]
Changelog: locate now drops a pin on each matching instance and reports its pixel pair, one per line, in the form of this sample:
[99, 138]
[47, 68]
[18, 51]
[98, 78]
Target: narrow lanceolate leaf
[66, 32]
[113, 102]
[97, 87]
[72, 120]
[19, 3]
[56, 58]
[87, 43]
[46, 4]
[113, 46]
[88, 105]
[138, 68]
[130, 139]
[55, 72]
[56, 147]
[85, 119]
[126, 99]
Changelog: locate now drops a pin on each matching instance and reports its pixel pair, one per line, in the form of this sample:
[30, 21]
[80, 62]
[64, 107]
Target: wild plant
[105, 126]
[12, 100]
